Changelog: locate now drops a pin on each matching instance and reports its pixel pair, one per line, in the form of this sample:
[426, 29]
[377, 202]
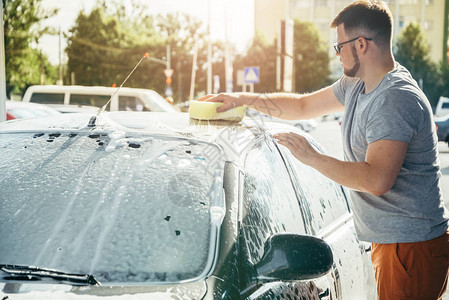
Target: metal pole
[228, 59]
[60, 82]
[192, 81]
[167, 63]
[445, 34]
[2, 71]
[209, 53]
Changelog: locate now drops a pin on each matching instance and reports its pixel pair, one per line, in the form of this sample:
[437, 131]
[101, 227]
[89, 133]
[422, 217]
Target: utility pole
[192, 81]
[168, 73]
[60, 82]
[445, 35]
[42, 68]
[209, 53]
[228, 59]
[168, 57]
[2, 71]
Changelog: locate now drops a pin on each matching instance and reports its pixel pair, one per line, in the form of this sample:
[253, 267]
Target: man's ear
[362, 45]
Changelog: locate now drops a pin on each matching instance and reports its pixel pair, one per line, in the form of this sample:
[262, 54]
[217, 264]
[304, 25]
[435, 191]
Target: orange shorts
[412, 270]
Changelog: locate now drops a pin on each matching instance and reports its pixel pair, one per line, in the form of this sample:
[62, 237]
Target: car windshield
[156, 102]
[124, 209]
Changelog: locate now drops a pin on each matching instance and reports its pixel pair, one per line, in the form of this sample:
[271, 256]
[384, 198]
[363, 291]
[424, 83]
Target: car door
[327, 213]
[270, 206]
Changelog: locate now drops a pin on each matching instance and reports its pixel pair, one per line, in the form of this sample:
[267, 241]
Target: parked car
[21, 110]
[442, 107]
[127, 99]
[442, 125]
[76, 108]
[142, 205]
[306, 125]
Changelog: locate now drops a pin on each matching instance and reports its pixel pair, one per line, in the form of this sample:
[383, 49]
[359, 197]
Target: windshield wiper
[31, 273]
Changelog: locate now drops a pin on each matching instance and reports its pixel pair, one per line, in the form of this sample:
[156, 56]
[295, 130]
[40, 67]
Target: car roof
[234, 137]
[19, 104]
[87, 89]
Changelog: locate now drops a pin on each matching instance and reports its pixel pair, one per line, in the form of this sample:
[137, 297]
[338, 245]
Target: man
[390, 148]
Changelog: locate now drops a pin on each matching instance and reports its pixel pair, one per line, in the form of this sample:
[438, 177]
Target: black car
[158, 206]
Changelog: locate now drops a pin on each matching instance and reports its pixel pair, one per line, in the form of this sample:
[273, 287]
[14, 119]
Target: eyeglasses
[338, 47]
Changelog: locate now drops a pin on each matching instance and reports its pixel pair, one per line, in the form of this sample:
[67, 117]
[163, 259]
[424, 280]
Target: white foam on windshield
[136, 211]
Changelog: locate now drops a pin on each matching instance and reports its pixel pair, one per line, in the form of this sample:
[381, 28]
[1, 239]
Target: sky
[240, 19]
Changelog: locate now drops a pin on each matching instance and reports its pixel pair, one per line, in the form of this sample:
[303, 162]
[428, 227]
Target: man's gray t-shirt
[397, 109]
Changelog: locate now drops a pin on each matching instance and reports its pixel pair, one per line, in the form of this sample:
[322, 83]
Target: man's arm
[282, 105]
[376, 175]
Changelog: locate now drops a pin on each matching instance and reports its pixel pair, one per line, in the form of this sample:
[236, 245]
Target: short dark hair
[366, 17]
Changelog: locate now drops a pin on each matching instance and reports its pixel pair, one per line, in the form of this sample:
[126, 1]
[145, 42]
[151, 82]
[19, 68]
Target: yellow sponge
[203, 110]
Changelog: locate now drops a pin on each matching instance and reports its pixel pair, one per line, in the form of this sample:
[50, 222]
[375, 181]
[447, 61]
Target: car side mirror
[290, 256]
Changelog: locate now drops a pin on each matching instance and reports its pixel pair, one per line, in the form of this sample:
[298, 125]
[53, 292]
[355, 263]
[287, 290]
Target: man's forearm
[360, 176]
[279, 105]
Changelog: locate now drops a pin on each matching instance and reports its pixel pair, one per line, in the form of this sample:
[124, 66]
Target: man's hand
[298, 146]
[229, 100]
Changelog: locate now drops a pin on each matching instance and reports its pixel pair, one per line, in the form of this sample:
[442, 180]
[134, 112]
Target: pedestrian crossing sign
[251, 75]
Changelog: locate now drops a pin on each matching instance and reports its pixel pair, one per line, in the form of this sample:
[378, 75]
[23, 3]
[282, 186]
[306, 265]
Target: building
[430, 14]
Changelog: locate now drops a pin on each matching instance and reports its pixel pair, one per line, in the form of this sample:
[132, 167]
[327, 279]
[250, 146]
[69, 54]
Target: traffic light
[168, 80]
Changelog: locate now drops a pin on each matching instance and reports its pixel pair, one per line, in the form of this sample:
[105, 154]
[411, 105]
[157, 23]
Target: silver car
[143, 205]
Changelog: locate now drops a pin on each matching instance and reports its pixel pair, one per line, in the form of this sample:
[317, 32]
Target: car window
[269, 200]
[130, 103]
[155, 102]
[322, 200]
[47, 98]
[90, 100]
[123, 209]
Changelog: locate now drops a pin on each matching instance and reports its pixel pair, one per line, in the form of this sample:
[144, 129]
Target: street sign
[168, 72]
[251, 75]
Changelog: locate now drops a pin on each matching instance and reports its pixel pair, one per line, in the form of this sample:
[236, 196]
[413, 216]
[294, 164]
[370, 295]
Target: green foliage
[106, 55]
[311, 58]
[21, 28]
[412, 52]
[261, 54]
[443, 79]
[181, 31]
[105, 44]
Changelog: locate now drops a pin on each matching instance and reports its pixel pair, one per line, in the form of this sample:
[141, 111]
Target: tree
[412, 51]
[443, 76]
[262, 54]
[181, 32]
[21, 28]
[106, 55]
[311, 58]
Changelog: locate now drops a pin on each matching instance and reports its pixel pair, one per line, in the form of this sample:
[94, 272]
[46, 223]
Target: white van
[442, 108]
[62, 97]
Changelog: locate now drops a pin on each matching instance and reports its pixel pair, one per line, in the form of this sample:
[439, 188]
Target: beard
[353, 71]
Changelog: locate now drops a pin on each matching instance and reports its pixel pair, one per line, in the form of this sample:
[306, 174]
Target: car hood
[192, 290]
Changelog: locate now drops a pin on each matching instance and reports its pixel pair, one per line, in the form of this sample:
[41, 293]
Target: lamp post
[209, 53]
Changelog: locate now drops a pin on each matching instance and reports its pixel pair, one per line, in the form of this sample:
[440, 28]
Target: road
[328, 134]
